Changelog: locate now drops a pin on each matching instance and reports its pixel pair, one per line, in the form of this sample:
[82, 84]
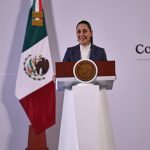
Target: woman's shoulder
[97, 47]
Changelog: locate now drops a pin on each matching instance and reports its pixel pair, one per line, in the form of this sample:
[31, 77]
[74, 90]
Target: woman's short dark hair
[89, 26]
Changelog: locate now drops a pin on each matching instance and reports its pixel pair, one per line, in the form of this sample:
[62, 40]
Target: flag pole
[36, 141]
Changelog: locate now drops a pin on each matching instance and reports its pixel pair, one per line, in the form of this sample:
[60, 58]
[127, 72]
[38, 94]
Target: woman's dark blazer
[73, 54]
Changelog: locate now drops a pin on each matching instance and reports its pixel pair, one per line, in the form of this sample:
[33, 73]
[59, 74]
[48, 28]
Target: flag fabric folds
[35, 88]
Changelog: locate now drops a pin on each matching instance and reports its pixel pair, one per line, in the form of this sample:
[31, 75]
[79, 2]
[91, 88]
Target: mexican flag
[35, 88]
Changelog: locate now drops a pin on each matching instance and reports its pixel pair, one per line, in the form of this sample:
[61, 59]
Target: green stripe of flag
[33, 33]
[33, 6]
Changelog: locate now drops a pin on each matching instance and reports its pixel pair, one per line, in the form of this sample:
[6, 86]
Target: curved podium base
[85, 121]
[36, 141]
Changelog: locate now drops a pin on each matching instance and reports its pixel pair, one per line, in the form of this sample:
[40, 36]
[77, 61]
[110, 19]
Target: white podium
[85, 123]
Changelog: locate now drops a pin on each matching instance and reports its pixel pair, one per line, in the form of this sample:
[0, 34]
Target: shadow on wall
[51, 31]
[53, 132]
[17, 121]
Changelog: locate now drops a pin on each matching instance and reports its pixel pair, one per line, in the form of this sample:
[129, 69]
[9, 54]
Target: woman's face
[84, 34]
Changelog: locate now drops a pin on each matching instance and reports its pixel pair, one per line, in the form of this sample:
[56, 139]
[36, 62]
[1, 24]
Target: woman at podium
[85, 122]
[85, 49]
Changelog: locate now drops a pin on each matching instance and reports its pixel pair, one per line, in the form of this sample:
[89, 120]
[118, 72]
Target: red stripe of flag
[40, 5]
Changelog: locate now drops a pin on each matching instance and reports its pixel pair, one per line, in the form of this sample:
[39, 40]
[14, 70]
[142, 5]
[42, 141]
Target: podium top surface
[65, 69]
[65, 77]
